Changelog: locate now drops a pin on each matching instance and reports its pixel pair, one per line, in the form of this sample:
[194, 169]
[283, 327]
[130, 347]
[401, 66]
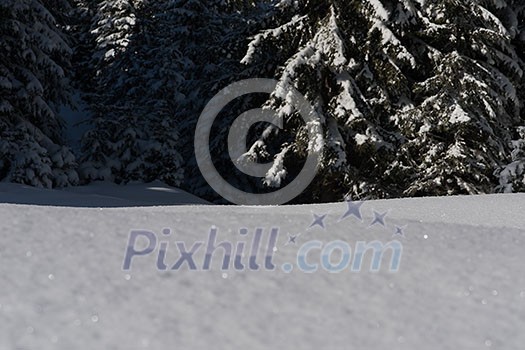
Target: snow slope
[461, 283]
[98, 194]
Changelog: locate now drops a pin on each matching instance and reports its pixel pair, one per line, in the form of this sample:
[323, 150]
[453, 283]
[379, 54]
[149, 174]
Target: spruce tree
[459, 131]
[213, 36]
[348, 59]
[415, 98]
[34, 68]
[135, 93]
[512, 175]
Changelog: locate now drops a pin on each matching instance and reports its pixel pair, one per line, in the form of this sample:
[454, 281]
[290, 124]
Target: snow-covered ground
[460, 285]
[99, 194]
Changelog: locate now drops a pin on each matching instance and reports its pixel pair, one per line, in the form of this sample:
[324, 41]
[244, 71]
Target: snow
[458, 115]
[510, 172]
[345, 101]
[460, 284]
[360, 139]
[296, 23]
[277, 172]
[380, 10]
[98, 194]
[336, 143]
[329, 41]
[491, 18]
[390, 38]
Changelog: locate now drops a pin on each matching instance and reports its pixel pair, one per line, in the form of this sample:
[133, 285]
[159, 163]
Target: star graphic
[379, 219]
[292, 239]
[319, 220]
[354, 208]
[400, 231]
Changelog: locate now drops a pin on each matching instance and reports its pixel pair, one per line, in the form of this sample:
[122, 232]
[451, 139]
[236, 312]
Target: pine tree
[512, 175]
[137, 74]
[414, 98]
[212, 36]
[458, 133]
[33, 84]
[347, 58]
[154, 66]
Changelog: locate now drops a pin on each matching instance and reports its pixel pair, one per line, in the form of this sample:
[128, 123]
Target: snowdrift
[460, 283]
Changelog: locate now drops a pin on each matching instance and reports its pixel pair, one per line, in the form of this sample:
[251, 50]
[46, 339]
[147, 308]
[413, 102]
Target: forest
[415, 97]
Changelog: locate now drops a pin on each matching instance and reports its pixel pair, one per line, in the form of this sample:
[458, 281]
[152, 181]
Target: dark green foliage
[34, 66]
[414, 100]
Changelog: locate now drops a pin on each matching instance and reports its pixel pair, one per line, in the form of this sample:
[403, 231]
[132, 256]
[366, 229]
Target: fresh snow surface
[98, 194]
[460, 285]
